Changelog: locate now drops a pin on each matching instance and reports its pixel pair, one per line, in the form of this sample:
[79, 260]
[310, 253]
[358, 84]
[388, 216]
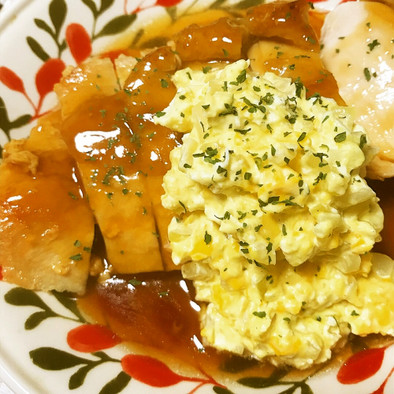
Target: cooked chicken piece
[95, 78]
[156, 142]
[358, 47]
[46, 226]
[291, 53]
[219, 40]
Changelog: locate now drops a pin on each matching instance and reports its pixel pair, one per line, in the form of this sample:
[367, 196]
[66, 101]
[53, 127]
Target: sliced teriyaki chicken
[292, 53]
[109, 136]
[357, 40]
[116, 189]
[46, 225]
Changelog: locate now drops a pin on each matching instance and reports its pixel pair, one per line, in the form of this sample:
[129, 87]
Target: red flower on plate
[47, 76]
[90, 338]
[160, 3]
[79, 42]
[361, 366]
[10, 79]
[168, 3]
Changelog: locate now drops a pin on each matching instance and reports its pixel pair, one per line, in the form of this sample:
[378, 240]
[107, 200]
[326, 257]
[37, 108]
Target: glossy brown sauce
[38, 176]
[122, 156]
[156, 310]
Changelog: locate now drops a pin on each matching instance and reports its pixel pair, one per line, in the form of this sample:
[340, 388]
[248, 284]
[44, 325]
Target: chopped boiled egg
[274, 221]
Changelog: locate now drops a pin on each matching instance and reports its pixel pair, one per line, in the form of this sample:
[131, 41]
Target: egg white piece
[358, 43]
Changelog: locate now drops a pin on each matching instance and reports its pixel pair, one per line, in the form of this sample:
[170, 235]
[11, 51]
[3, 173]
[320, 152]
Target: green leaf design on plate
[105, 4]
[305, 389]
[256, 382]
[117, 25]
[171, 11]
[36, 318]
[41, 24]
[217, 3]
[70, 304]
[21, 121]
[263, 382]
[4, 120]
[37, 49]
[78, 378]
[57, 13]
[221, 390]
[235, 364]
[274, 379]
[23, 297]
[6, 125]
[92, 6]
[53, 359]
[116, 385]
[62, 47]
[58, 21]
[290, 390]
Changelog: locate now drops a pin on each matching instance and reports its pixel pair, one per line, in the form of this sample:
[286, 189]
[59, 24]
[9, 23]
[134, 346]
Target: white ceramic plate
[34, 354]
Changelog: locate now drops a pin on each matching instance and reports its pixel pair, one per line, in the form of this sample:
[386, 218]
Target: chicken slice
[46, 226]
[289, 52]
[121, 154]
[93, 79]
[105, 150]
[149, 93]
